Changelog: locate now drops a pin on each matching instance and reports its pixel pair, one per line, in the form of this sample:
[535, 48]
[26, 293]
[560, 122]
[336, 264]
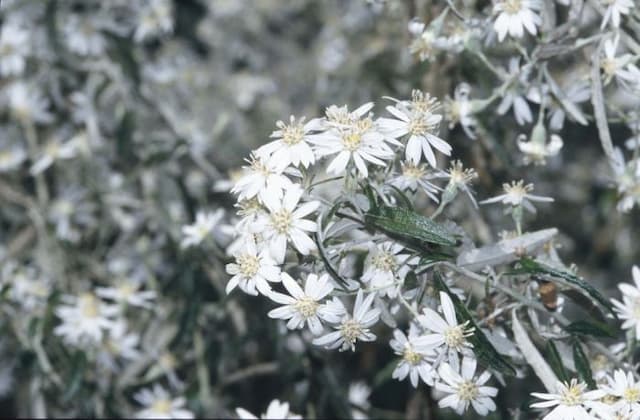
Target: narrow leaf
[555, 361]
[482, 347]
[594, 328]
[405, 224]
[582, 365]
[533, 266]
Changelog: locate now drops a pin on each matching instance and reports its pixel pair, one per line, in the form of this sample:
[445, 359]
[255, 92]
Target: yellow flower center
[631, 395]
[281, 221]
[351, 140]
[292, 134]
[411, 356]
[512, 7]
[249, 265]
[572, 396]
[350, 331]
[307, 307]
[161, 406]
[385, 261]
[89, 306]
[411, 170]
[467, 391]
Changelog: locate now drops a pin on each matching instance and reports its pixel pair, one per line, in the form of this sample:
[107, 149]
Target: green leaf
[594, 328]
[582, 365]
[403, 224]
[385, 373]
[556, 362]
[79, 364]
[406, 202]
[530, 265]
[482, 347]
[585, 303]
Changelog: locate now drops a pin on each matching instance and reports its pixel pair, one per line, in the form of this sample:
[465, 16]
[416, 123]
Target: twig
[598, 106]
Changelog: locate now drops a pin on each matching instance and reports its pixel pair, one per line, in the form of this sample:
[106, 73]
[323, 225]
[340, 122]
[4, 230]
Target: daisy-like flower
[12, 154]
[627, 179]
[416, 360]
[275, 410]
[465, 389]
[160, 405]
[459, 110]
[285, 223]
[352, 137]
[156, 17]
[27, 104]
[514, 98]
[85, 319]
[517, 195]
[538, 149]
[353, 328]
[252, 270]
[576, 93]
[127, 291]
[290, 146]
[611, 65]
[203, 226]
[570, 400]
[615, 10]
[53, 151]
[303, 306]
[83, 36]
[359, 397]
[459, 180]
[514, 16]
[263, 178]
[416, 176]
[624, 386]
[424, 43]
[417, 119]
[629, 309]
[386, 265]
[448, 338]
[118, 344]
[14, 47]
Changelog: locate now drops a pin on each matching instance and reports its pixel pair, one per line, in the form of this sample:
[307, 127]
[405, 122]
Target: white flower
[160, 405]
[386, 266]
[12, 155]
[571, 401]
[118, 343]
[624, 386]
[448, 338]
[611, 65]
[417, 119]
[514, 16]
[359, 397]
[83, 36]
[615, 10]
[353, 328]
[517, 194]
[263, 178]
[202, 227]
[459, 110]
[127, 291]
[14, 47]
[285, 223]
[85, 319]
[27, 104]
[290, 146]
[53, 151]
[252, 270]
[629, 309]
[416, 360]
[459, 180]
[513, 98]
[155, 17]
[416, 175]
[355, 138]
[537, 150]
[275, 410]
[303, 306]
[465, 389]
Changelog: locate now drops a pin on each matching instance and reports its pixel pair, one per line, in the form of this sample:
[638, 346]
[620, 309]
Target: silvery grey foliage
[320, 209]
